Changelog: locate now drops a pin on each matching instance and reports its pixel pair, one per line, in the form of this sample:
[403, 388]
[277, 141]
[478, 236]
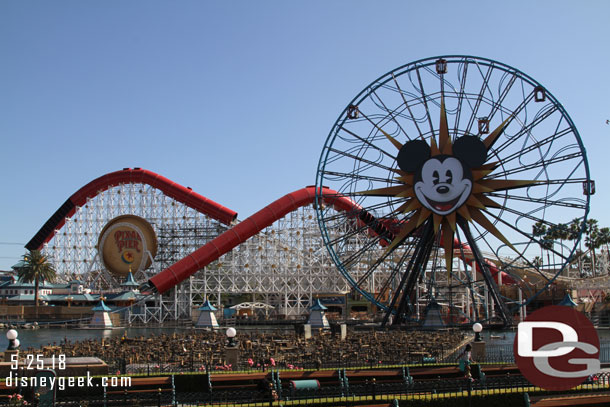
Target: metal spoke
[529, 236]
[535, 146]
[491, 284]
[425, 99]
[354, 157]
[391, 114]
[407, 105]
[546, 202]
[478, 101]
[543, 164]
[526, 129]
[539, 164]
[368, 143]
[346, 175]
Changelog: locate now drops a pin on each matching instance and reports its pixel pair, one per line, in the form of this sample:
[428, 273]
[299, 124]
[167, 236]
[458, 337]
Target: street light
[13, 342]
[477, 328]
[231, 332]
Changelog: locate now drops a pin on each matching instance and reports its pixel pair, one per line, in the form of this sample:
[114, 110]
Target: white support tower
[285, 265]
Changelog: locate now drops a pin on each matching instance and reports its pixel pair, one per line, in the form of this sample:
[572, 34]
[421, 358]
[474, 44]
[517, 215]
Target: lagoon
[37, 338]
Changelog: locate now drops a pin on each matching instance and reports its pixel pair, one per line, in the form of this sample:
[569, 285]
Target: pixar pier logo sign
[557, 348]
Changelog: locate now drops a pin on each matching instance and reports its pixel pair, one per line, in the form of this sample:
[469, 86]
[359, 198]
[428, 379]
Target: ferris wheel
[453, 164]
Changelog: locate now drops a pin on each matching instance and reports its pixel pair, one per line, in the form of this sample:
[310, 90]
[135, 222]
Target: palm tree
[539, 230]
[537, 261]
[604, 236]
[575, 229]
[561, 231]
[592, 240]
[547, 244]
[36, 268]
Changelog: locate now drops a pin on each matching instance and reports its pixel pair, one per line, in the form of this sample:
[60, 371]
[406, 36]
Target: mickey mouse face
[443, 186]
[443, 182]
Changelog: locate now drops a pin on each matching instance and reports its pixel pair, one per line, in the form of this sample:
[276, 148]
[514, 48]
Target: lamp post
[478, 346]
[231, 332]
[477, 328]
[13, 345]
[232, 348]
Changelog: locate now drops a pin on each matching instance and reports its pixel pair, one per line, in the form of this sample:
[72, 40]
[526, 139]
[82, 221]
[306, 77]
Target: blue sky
[236, 98]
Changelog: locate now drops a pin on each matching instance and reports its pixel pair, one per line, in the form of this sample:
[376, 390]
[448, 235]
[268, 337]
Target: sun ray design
[443, 180]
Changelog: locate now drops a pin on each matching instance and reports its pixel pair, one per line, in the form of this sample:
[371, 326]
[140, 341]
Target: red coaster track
[223, 243]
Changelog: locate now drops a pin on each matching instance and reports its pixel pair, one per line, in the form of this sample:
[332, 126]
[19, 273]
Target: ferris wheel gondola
[456, 161]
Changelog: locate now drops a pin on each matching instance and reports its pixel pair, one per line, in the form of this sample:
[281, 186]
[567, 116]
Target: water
[499, 346]
[508, 337]
[37, 338]
[48, 336]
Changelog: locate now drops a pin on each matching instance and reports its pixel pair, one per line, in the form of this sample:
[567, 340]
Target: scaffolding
[285, 265]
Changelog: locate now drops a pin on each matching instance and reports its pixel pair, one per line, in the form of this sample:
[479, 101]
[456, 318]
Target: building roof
[101, 307]
[124, 296]
[41, 286]
[317, 306]
[27, 298]
[207, 306]
[74, 297]
[130, 281]
[567, 301]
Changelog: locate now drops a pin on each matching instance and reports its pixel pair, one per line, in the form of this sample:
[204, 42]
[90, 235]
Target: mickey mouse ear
[412, 155]
[471, 150]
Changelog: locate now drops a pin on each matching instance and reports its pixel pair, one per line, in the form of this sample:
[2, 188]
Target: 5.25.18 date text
[39, 362]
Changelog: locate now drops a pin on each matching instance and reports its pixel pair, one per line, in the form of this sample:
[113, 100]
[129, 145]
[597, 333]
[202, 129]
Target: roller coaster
[276, 254]
[375, 224]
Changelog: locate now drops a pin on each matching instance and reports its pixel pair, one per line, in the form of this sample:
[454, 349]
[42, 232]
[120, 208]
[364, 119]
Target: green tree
[540, 231]
[594, 237]
[36, 268]
[575, 229]
[537, 261]
[591, 238]
[604, 236]
[560, 231]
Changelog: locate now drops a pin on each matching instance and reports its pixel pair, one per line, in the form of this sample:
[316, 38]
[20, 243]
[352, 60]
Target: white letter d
[525, 332]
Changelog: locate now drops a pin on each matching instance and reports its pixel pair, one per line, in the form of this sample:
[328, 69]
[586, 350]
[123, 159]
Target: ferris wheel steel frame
[405, 104]
[205, 252]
